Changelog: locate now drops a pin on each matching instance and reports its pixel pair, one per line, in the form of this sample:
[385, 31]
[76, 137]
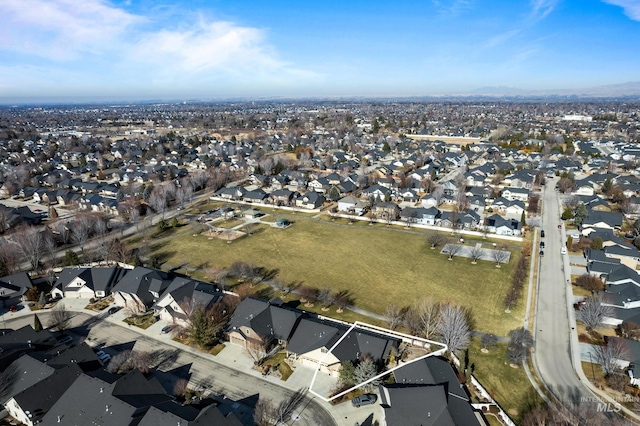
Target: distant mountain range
[629, 89]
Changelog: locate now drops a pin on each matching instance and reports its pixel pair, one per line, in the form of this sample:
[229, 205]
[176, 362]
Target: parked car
[366, 399]
[166, 329]
[563, 250]
[541, 253]
[542, 233]
[541, 244]
[113, 310]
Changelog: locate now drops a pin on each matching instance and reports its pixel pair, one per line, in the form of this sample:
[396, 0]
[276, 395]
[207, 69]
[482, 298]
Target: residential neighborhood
[339, 263]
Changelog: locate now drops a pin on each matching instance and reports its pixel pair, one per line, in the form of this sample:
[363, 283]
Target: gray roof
[39, 398]
[264, 318]
[97, 279]
[417, 405]
[97, 405]
[14, 285]
[29, 372]
[141, 281]
[310, 335]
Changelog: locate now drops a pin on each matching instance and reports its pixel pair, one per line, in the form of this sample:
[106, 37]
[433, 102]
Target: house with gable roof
[427, 392]
[13, 287]
[261, 322]
[86, 283]
[140, 288]
[184, 294]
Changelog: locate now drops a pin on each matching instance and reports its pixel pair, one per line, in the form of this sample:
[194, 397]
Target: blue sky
[206, 49]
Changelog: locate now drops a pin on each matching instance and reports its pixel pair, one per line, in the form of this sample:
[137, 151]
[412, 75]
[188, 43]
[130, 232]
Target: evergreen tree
[523, 220]
[37, 325]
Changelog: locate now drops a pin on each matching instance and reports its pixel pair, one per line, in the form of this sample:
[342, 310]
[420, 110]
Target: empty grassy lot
[379, 266]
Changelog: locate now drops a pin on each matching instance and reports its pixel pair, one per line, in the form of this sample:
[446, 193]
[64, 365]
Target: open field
[378, 266]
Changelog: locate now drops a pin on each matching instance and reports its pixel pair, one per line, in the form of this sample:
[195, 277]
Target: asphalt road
[553, 323]
[213, 377]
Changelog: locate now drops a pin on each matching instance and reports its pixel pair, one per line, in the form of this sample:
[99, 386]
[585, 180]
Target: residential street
[231, 381]
[555, 358]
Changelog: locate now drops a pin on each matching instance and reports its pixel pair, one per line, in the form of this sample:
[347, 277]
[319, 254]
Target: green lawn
[377, 265]
[509, 386]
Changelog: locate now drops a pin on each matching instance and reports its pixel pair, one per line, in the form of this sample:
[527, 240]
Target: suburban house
[86, 283]
[420, 215]
[140, 288]
[259, 322]
[427, 392]
[352, 204]
[182, 296]
[313, 338]
[597, 219]
[32, 403]
[310, 200]
[13, 287]
[512, 193]
[231, 194]
[387, 211]
[256, 196]
[502, 226]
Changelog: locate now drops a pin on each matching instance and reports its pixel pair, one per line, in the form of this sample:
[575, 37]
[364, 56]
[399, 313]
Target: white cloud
[542, 8]
[62, 29]
[631, 7]
[208, 46]
[100, 40]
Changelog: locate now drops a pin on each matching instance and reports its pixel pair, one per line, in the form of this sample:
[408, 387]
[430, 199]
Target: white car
[563, 250]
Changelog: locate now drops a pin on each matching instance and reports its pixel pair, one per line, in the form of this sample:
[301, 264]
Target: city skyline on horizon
[207, 49]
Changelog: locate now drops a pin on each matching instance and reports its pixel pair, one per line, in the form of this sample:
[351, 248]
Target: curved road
[213, 376]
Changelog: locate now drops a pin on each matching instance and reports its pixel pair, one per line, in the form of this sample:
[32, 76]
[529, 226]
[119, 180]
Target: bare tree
[394, 315]
[476, 253]
[287, 407]
[609, 355]
[50, 245]
[499, 256]
[30, 244]
[429, 314]
[462, 202]
[590, 282]
[435, 239]
[452, 249]
[593, 312]
[82, 227]
[256, 349]
[264, 413]
[60, 318]
[453, 327]
[520, 340]
[9, 257]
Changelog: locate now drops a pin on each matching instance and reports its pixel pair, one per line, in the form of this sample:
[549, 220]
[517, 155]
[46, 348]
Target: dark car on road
[113, 310]
[542, 233]
[366, 399]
